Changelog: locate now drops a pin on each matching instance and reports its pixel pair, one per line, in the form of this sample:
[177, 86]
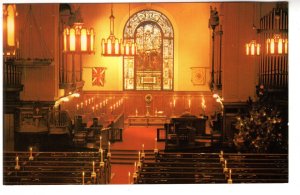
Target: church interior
[145, 93]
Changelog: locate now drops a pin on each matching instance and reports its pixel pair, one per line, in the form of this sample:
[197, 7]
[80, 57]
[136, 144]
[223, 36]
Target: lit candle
[100, 104]
[136, 112]
[174, 103]
[114, 107]
[139, 156]
[85, 102]
[111, 108]
[30, 154]
[92, 100]
[189, 103]
[96, 106]
[77, 106]
[82, 177]
[93, 108]
[89, 101]
[93, 166]
[101, 153]
[100, 147]
[129, 179]
[134, 167]
[17, 167]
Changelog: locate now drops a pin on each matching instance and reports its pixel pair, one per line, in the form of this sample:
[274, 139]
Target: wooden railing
[11, 75]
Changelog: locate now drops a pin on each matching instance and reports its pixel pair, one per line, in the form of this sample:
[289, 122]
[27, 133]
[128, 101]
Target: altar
[147, 120]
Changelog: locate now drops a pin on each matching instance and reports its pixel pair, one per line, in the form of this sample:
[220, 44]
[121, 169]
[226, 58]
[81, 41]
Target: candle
[101, 153]
[129, 179]
[155, 143]
[111, 108]
[134, 166]
[77, 106]
[229, 173]
[136, 112]
[100, 104]
[89, 101]
[93, 108]
[17, 167]
[85, 102]
[96, 106]
[81, 105]
[92, 100]
[82, 177]
[30, 154]
[142, 148]
[174, 103]
[100, 143]
[189, 103]
[93, 166]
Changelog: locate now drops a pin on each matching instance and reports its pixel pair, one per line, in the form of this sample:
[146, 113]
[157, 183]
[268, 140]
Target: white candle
[85, 102]
[77, 106]
[30, 150]
[81, 104]
[174, 103]
[129, 179]
[189, 103]
[142, 148]
[136, 112]
[82, 177]
[92, 99]
[100, 143]
[93, 108]
[101, 153]
[89, 101]
[96, 106]
[134, 167]
[155, 144]
[229, 173]
[17, 160]
[93, 166]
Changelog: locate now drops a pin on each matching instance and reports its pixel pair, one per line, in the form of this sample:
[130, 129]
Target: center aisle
[133, 138]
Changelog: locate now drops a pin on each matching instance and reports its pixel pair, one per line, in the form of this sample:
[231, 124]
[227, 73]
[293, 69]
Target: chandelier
[253, 48]
[77, 38]
[112, 46]
[277, 45]
[129, 45]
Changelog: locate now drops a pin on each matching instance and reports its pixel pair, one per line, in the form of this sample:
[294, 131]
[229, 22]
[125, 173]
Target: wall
[239, 70]
[38, 39]
[192, 41]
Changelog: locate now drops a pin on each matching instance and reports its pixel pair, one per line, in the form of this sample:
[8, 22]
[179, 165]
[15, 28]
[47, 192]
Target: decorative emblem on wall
[98, 76]
[198, 75]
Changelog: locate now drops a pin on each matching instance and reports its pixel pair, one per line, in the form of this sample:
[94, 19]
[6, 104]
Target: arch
[160, 33]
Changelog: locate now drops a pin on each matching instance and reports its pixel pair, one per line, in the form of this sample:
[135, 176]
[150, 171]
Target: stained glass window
[152, 66]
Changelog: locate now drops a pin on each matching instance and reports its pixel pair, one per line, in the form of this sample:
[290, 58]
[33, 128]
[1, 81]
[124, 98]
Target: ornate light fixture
[253, 48]
[9, 28]
[129, 45]
[277, 45]
[78, 39]
[112, 46]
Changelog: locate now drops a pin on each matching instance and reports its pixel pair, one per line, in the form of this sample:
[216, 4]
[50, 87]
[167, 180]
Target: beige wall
[192, 46]
[192, 41]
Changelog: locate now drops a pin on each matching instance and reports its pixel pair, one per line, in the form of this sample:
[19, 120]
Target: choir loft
[145, 93]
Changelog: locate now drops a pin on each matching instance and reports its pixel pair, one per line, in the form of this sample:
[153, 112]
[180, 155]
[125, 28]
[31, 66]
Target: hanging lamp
[9, 28]
[129, 45]
[77, 38]
[253, 48]
[112, 46]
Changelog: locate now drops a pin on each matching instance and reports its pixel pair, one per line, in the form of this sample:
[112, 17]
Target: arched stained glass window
[152, 68]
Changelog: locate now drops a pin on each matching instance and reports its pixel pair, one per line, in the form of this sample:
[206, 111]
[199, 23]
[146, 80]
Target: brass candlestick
[155, 146]
[143, 152]
[101, 159]
[108, 152]
[17, 167]
[30, 154]
[225, 169]
[139, 162]
[229, 179]
[93, 175]
[221, 156]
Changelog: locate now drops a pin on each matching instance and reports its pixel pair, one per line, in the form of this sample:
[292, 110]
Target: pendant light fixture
[253, 48]
[77, 38]
[129, 45]
[9, 29]
[112, 46]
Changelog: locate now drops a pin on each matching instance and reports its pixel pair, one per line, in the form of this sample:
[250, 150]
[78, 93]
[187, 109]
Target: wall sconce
[253, 48]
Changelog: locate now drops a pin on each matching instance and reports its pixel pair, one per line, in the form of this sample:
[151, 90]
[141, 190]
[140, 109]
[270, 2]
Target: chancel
[145, 93]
